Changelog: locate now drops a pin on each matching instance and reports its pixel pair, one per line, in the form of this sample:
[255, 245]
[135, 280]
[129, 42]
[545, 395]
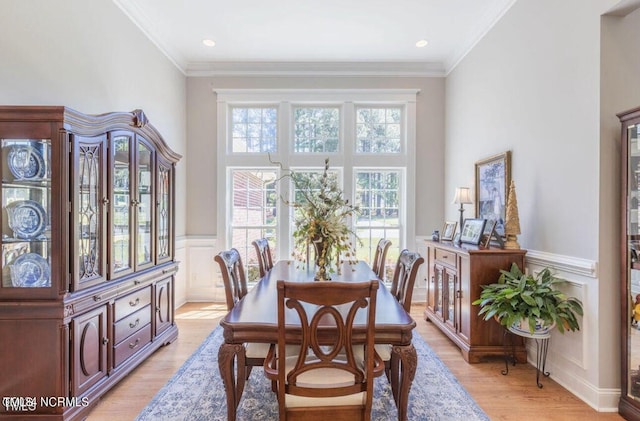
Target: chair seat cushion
[323, 378]
[383, 350]
[259, 350]
[293, 401]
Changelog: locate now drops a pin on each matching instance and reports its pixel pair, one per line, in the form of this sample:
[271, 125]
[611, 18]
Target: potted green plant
[526, 302]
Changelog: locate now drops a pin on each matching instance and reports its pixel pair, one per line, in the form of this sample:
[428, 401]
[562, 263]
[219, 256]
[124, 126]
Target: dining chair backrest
[326, 366]
[380, 257]
[233, 276]
[404, 277]
[265, 262]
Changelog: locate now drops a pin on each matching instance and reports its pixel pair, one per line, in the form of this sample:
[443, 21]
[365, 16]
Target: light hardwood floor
[511, 397]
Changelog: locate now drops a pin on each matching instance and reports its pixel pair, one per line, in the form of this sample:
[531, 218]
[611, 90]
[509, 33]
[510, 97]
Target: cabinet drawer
[131, 345]
[131, 303]
[446, 257]
[131, 324]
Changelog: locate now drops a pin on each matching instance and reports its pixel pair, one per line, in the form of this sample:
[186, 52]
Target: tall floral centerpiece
[321, 220]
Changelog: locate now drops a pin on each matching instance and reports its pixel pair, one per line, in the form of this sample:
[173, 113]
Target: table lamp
[463, 197]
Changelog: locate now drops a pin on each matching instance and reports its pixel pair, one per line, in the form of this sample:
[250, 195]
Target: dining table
[254, 319]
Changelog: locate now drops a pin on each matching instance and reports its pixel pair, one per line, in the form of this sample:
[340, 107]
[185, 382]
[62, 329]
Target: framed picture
[489, 230]
[472, 230]
[449, 230]
[493, 176]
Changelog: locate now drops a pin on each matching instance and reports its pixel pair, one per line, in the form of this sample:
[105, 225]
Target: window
[254, 129]
[378, 130]
[378, 196]
[253, 214]
[299, 129]
[316, 129]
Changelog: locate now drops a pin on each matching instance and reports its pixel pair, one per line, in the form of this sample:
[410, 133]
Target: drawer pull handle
[132, 325]
[137, 282]
[97, 297]
[134, 344]
[165, 271]
[134, 303]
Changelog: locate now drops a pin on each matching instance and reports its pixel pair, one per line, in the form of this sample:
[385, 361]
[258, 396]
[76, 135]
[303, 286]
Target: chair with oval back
[325, 380]
[380, 257]
[265, 261]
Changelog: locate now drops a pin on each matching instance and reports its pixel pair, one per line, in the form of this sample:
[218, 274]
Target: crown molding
[315, 68]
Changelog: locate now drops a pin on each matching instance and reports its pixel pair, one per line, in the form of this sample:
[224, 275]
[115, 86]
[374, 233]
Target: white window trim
[346, 159]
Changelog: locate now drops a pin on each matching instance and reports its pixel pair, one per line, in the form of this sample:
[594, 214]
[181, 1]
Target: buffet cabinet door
[89, 204]
[163, 305]
[89, 349]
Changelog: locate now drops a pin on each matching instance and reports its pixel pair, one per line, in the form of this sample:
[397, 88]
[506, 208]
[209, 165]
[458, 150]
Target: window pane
[316, 129]
[377, 195]
[378, 130]
[254, 129]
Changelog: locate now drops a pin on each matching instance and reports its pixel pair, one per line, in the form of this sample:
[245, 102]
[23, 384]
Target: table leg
[404, 361]
[228, 356]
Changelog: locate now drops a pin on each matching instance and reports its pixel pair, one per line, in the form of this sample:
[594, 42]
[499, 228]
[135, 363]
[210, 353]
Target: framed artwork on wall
[472, 230]
[493, 176]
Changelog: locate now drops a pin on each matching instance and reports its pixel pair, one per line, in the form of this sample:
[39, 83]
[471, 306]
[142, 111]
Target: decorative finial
[512, 224]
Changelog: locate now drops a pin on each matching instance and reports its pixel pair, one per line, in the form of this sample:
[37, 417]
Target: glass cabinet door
[121, 204]
[89, 210]
[633, 260]
[450, 284]
[26, 204]
[145, 206]
[164, 212]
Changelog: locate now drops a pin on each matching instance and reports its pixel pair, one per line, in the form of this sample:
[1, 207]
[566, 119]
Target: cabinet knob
[105, 341]
[97, 297]
[105, 201]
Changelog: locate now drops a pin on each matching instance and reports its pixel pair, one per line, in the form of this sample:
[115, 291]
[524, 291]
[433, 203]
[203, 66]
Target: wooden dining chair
[404, 278]
[233, 276]
[265, 262]
[325, 380]
[235, 288]
[380, 257]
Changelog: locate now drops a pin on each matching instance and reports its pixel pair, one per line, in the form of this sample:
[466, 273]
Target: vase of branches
[321, 215]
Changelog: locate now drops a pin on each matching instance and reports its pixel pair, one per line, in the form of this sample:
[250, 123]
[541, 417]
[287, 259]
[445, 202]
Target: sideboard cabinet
[455, 277]
[88, 267]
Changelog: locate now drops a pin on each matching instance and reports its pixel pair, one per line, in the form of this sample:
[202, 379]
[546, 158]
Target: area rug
[196, 393]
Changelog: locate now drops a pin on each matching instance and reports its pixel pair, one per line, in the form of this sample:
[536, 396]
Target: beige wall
[202, 129]
[532, 86]
[87, 55]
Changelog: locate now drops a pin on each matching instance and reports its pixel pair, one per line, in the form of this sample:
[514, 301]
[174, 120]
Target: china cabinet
[629, 405]
[454, 281]
[87, 283]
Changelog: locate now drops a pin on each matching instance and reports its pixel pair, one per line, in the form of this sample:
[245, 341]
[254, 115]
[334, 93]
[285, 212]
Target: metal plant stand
[542, 347]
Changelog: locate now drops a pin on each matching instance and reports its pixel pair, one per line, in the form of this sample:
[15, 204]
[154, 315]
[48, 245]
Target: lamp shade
[463, 196]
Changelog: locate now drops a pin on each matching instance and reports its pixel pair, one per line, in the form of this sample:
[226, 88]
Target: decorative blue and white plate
[30, 271]
[26, 162]
[27, 219]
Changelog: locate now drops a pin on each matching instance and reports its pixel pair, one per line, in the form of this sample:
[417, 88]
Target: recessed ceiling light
[209, 42]
[422, 43]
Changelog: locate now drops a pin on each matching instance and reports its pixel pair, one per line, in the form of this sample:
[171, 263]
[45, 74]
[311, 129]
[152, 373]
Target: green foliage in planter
[518, 296]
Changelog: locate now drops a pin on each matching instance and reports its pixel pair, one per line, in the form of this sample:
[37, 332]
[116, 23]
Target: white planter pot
[523, 327]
